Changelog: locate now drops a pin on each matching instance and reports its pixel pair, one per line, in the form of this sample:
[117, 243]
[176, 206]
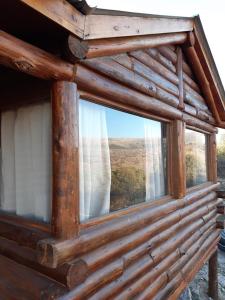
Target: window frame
[47, 230]
[19, 228]
[208, 158]
[141, 113]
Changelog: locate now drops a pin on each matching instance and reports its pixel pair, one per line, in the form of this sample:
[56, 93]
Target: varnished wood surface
[65, 202]
[148, 250]
[21, 56]
[60, 12]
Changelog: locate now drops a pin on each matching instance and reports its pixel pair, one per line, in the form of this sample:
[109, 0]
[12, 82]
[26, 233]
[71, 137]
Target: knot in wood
[23, 66]
[116, 28]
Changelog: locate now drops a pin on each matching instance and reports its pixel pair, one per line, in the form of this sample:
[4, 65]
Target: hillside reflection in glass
[196, 164]
[123, 159]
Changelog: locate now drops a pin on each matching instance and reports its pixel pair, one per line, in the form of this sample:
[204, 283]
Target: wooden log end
[190, 41]
[220, 193]
[220, 222]
[221, 208]
[46, 253]
[77, 273]
[75, 49]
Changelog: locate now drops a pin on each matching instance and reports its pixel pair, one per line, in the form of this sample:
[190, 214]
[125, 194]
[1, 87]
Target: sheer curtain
[95, 168]
[25, 161]
[155, 181]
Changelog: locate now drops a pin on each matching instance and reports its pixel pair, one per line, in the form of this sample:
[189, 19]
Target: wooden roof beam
[77, 49]
[106, 26]
[60, 12]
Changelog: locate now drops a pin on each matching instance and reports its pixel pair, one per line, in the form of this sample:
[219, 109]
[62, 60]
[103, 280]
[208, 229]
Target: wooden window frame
[210, 158]
[138, 112]
[15, 227]
[64, 96]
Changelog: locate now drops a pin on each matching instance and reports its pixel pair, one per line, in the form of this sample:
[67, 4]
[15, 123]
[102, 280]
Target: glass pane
[196, 164]
[221, 156]
[25, 157]
[122, 159]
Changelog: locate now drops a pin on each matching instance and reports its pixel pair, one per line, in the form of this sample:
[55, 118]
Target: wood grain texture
[178, 156]
[21, 56]
[65, 203]
[149, 251]
[107, 47]
[19, 282]
[60, 12]
[103, 26]
[213, 276]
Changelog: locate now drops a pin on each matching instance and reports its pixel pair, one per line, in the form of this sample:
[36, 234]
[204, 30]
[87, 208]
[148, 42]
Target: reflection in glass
[196, 164]
[122, 159]
[220, 141]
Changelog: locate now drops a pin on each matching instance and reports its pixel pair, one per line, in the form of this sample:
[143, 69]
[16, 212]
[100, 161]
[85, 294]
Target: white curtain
[25, 161]
[95, 168]
[155, 181]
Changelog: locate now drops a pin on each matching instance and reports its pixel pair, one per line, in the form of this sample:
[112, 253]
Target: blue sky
[212, 14]
[124, 125]
[120, 124]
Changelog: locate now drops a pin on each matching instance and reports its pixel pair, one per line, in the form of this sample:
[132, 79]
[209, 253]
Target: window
[25, 161]
[196, 164]
[122, 159]
[221, 156]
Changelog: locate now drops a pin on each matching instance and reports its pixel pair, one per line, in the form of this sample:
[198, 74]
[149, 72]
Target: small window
[122, 159]
[25, 161]
[196, 163]
[221, 156]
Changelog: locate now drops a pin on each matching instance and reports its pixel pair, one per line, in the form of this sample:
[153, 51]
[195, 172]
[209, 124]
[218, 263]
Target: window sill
[126, 211]
[198, 187]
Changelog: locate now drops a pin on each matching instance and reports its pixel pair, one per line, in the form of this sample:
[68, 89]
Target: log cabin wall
[149, 251]
[153, 250]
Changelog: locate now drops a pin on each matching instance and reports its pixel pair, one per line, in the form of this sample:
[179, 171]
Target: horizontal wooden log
[155, 234]
[159, 86]
[96, 83]
[143, 283]
[107, 47]
[220, 222]
[176, 278]
[69, 274]
[140, 267]
[191, 96]
[188, 75]
[154, 53]
[195, 122]
[195, 195]
[106, 275]
[20, 282]
[172, 56]
[202, 79]
[141, 263]
[134, 80]
[59, 251]
[195, 264]
[152, 290]
[114, 70]
[25, 235]
[29, 59]
[141, 69]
